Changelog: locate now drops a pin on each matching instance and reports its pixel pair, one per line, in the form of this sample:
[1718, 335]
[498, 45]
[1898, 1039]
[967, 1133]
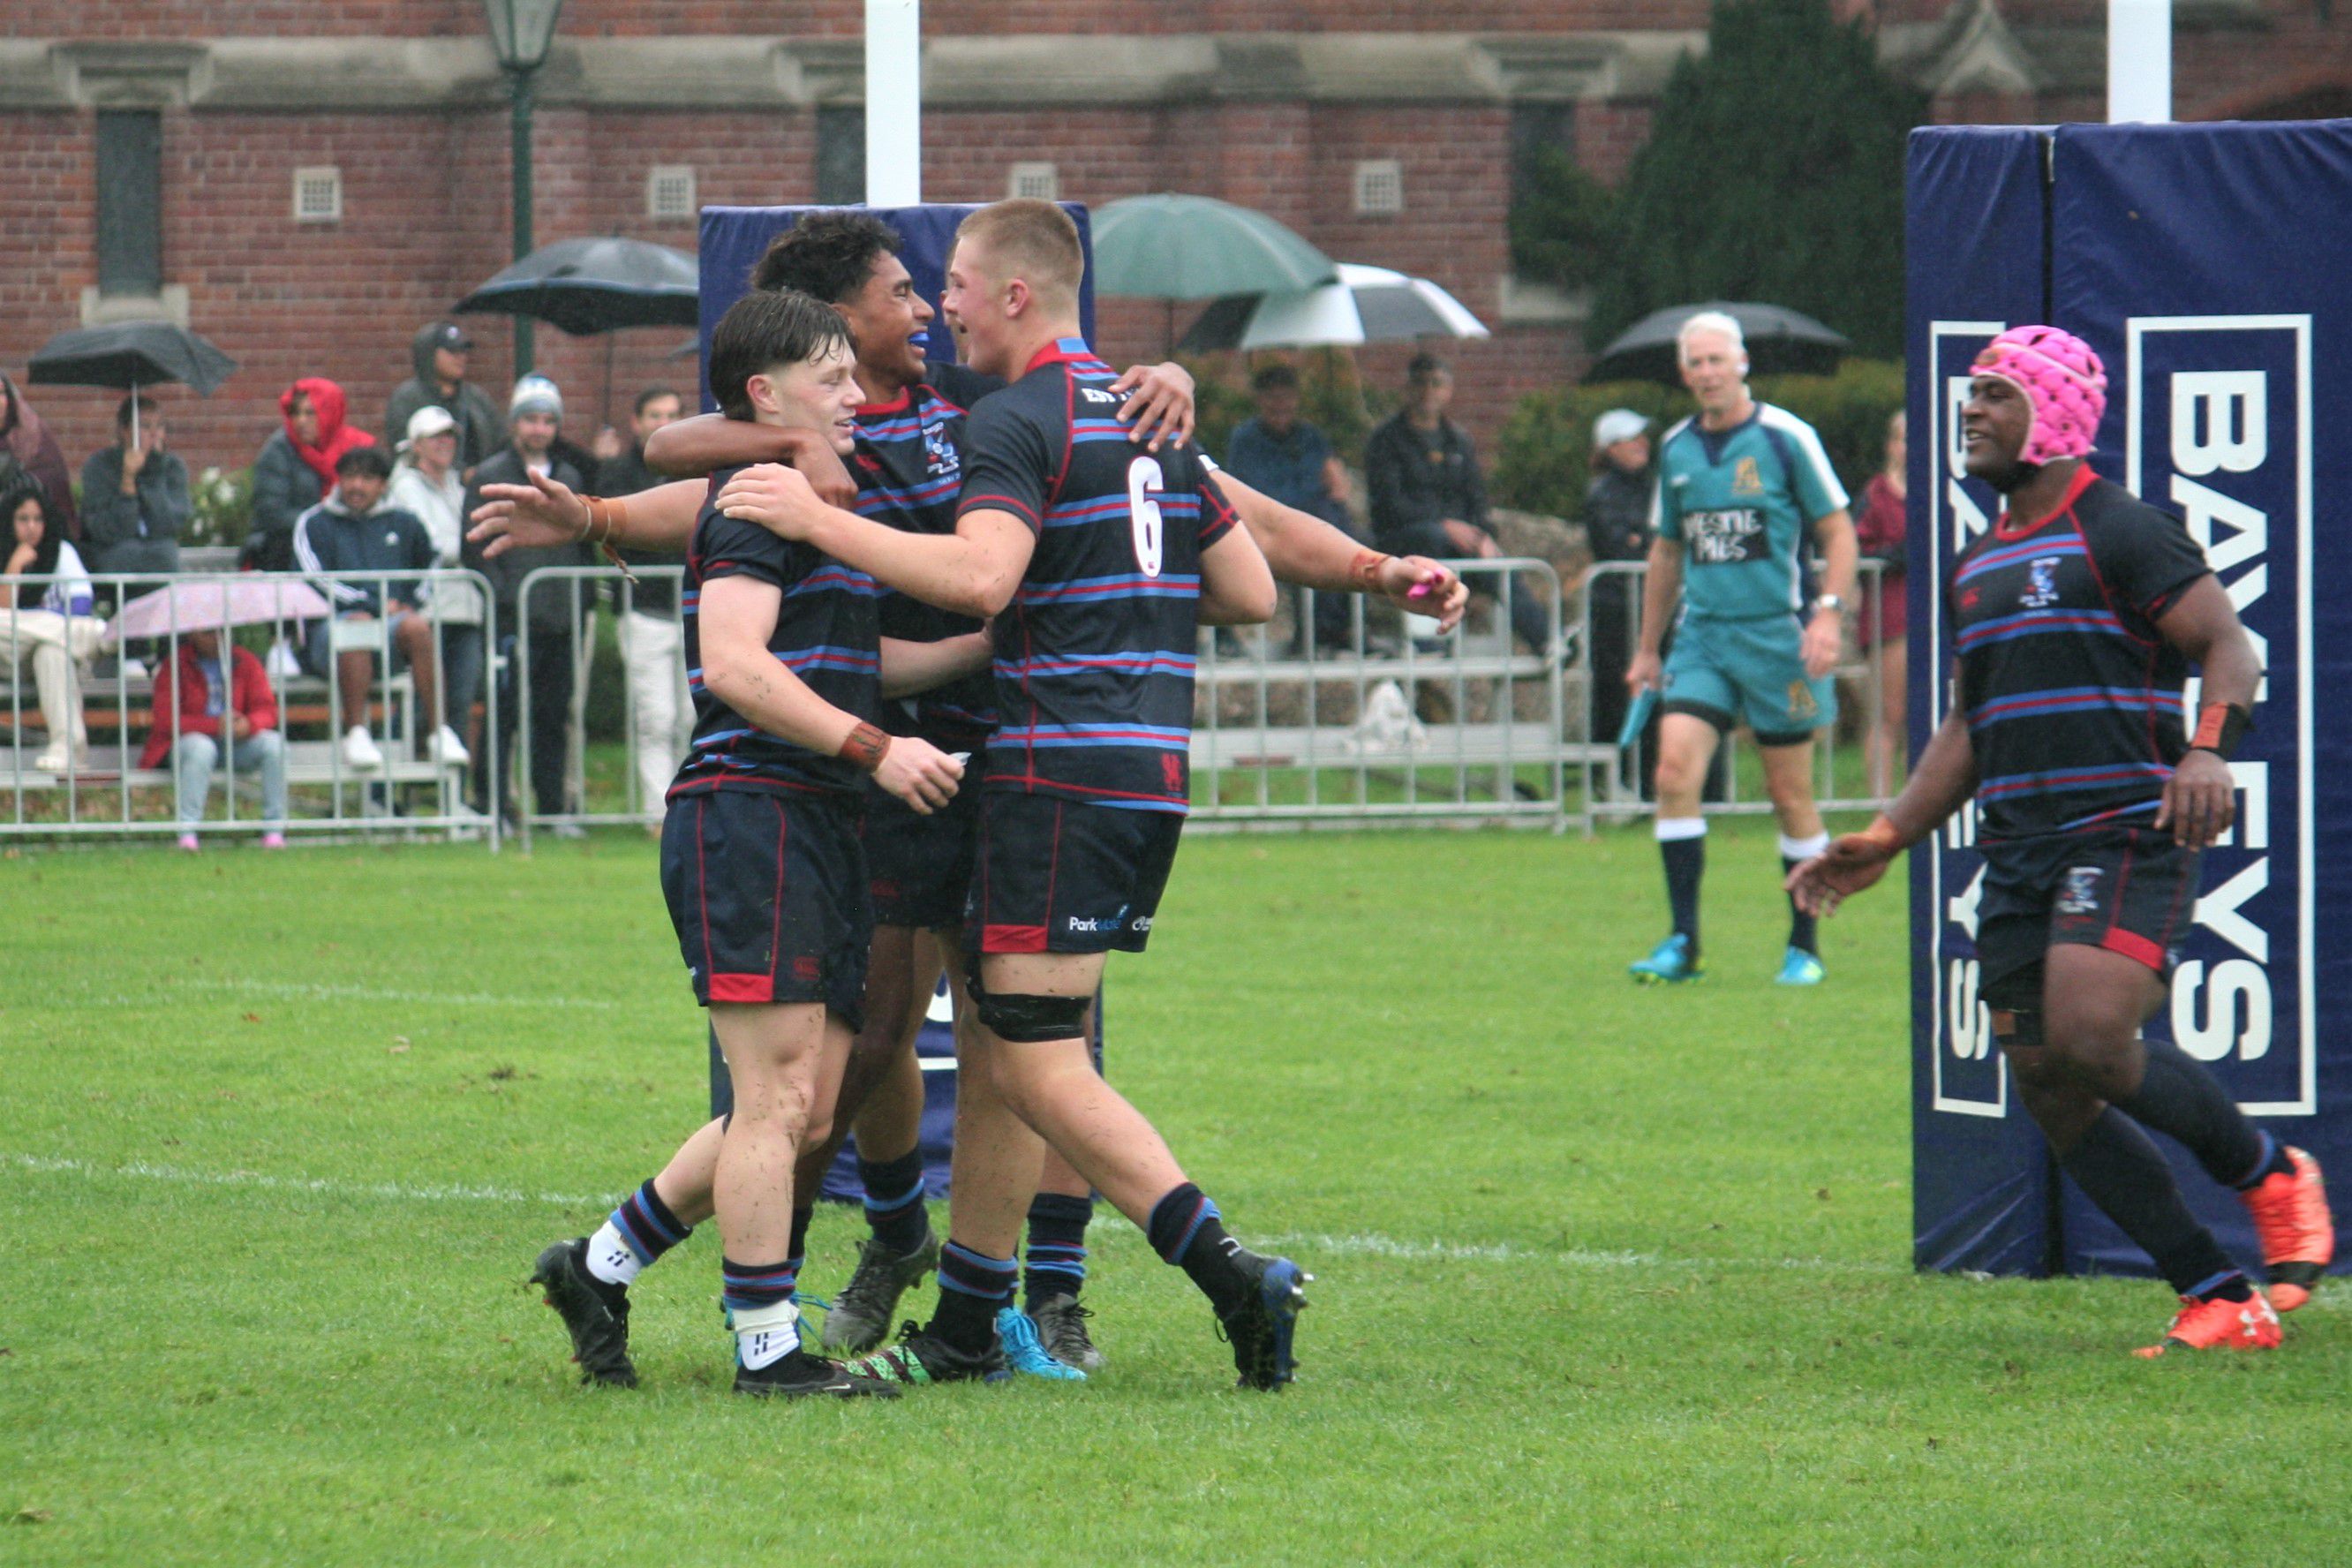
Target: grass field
[1605, 1276]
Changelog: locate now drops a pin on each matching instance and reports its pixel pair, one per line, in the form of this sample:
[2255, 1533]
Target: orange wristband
[1365, 570]
[865, 746]
[2219, 727]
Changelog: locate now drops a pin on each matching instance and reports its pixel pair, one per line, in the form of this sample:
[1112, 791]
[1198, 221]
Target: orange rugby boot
[2218, 1325]
[2290, 1210]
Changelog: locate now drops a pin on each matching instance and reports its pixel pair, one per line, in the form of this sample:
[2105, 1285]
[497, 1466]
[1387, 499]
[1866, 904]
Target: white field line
[300, 991]
[1108, 1228]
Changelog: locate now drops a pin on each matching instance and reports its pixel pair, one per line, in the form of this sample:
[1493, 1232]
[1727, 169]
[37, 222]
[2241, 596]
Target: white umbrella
[1367, 305]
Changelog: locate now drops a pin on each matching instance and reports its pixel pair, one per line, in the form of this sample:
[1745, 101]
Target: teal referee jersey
[1739, 502]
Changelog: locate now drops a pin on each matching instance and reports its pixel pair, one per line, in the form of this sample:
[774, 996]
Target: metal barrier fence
[553, 656]
[87, 657]
[1394, 724]
[1611, 784]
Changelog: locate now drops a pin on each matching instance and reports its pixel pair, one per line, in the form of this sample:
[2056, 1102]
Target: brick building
[307, 181]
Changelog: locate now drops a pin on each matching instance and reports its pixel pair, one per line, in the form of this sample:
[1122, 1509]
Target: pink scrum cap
[2060, 378]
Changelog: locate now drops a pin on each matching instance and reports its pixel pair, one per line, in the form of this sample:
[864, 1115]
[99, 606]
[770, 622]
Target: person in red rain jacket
[204, 704]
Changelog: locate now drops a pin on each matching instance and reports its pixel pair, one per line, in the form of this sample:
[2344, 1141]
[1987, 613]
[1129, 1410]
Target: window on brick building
[840, 156]
[130, 203]
[319, 194]
[1380, 187]
[1039, 182]
[1541, 134]
[670, 193]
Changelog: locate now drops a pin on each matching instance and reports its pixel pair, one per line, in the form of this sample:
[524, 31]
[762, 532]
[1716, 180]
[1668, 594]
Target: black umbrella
[589, 286]
[128, 355]
[1781, 342]
[601, 285]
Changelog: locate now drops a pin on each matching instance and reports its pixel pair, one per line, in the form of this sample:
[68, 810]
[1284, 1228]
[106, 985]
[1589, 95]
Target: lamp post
[521, 30]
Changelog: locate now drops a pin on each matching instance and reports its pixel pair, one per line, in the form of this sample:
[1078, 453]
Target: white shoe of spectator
[283, 665]
[448, 750]
[359, 749]
[54, 760]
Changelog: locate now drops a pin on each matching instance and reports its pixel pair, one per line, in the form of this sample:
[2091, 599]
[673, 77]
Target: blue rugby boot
[1669, 963]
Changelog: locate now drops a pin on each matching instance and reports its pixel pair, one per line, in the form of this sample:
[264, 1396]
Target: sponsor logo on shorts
[1098, 925]
[2080, 893]
[807, 970]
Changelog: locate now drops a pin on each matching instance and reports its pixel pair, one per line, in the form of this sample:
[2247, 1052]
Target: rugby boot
[1799, 968]
[919, 1357]
[1023, 1352]
[799, 1375]
[1260, 1329]
[1062, 1326]
[2290, 1210]
[2216, 1325]
[596, 1315]
[1669, 963]
[861, 1314]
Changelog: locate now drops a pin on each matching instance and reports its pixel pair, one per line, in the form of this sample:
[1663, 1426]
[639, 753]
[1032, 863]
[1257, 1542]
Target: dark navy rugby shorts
[1062, 875]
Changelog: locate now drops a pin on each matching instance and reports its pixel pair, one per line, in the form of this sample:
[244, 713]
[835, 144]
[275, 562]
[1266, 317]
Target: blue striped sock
[1056, 1256]
[972, 1288]
[893, 1200]
[635, 1234]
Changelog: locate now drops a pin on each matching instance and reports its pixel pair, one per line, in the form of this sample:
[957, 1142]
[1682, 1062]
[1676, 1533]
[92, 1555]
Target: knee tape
[1033, 1019]
[2016, 1029]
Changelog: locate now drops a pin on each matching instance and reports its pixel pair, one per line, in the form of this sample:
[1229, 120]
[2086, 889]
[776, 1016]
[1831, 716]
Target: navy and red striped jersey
[827, 631]
[1094, 656]
[2072, 697]
[909, 467]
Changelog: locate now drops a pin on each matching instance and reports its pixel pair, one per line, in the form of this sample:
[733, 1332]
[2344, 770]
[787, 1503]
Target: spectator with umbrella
[134, 495]
[204, 706]
[26, 439]
[440, 355]
[48, 622]
[296, 469]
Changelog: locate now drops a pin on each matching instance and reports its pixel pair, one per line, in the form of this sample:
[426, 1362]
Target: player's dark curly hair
[764, 329]
[827, 256]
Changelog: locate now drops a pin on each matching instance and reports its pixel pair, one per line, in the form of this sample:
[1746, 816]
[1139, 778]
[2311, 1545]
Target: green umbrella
[1198, 247]
[1174, 247]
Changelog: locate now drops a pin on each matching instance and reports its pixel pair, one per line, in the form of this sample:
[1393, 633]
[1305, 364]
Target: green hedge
[1543, 458]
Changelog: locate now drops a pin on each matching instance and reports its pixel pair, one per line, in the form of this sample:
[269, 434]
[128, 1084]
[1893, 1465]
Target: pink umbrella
[243, 600]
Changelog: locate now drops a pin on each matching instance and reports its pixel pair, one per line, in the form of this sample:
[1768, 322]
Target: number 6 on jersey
[1143, 482]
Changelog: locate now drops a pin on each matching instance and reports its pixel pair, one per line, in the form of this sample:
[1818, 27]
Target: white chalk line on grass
[1358, 1245]
[300, 990]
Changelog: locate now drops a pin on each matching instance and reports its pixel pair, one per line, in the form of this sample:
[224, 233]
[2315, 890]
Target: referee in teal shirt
[1740, 484]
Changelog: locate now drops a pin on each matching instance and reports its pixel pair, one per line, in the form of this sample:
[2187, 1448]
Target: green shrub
[1543, 459]
[221, 506]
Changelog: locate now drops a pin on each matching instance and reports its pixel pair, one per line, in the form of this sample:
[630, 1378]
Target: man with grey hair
[1740, 483]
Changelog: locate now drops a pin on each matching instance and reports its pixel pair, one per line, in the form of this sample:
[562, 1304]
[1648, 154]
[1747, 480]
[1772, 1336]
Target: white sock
[611, 1258]
[1670, 828]
[767, 1334]
[1804, 849]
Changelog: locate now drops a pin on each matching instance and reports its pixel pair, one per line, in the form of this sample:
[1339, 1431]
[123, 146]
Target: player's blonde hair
[1032, 240]
[1707, 321]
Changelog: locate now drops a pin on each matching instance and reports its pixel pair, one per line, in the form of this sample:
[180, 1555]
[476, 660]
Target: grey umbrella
[1780, 342]
[128, 355]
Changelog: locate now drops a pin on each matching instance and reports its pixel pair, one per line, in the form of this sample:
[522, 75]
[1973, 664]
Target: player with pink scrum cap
[2076, 619]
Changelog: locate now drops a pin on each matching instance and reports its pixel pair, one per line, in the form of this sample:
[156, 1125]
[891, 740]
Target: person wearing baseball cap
[439, 354]
[426, 484]
[1617, 527]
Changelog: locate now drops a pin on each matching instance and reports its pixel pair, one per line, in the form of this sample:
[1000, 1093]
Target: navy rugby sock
[1795, 852]
[893, 1200]
[1186, 1231]
[1684, 854]
[974, 1287]
[2179, 1098]
[759, 1302]
[635, 1234]
[2120, 1169]
[1056, 1258]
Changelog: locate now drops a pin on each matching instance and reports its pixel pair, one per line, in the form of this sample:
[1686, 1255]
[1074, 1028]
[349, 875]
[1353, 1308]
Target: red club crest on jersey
[1171, 769]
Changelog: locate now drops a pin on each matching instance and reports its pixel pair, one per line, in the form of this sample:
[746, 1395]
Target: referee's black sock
[2179, 1098]
[1795, 852]
[2120, 1169]
[1681, 845]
